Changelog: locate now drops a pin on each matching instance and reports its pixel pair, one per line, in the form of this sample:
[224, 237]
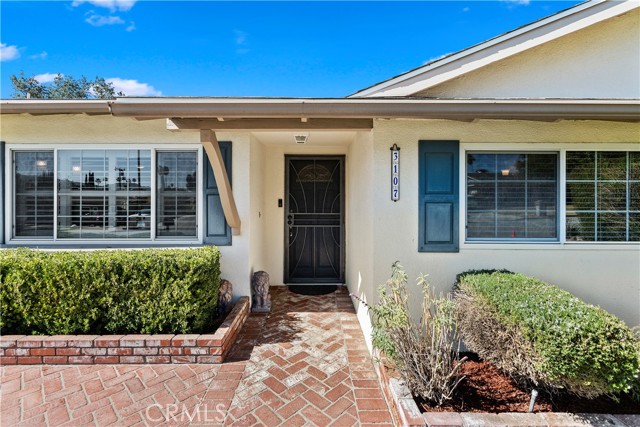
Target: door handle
[290, 220]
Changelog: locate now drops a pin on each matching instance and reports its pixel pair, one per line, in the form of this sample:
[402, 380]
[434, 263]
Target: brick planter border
[407, 414]
[125, 349]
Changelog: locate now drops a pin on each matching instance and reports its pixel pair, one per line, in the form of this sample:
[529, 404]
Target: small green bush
[545, 336]
[119, 291]
[424, 352]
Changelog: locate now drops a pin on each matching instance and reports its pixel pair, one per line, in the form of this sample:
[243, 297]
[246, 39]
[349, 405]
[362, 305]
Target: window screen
[104, 194]
[603, 196]
[176, 194]
[33, 203]
[512, 195]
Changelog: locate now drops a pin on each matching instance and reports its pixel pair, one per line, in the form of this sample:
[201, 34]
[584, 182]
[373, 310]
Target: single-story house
[522, 152]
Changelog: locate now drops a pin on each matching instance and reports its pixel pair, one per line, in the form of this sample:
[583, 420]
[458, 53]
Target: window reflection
[511, 196]
[176, 194]
[33, 194]
[104, 194]
[603, 189]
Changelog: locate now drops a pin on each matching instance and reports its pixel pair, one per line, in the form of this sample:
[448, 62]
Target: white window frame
[10, 216]
[122, 242]
[519, 239]
[526, 244]
[602, 149]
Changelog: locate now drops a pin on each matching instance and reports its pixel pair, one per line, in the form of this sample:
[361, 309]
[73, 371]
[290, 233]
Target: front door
[314, 220]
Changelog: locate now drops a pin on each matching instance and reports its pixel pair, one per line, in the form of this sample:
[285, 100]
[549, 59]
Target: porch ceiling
[316, 138]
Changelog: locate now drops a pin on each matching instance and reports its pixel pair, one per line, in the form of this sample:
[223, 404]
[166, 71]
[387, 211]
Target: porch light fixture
[505, 172]
[301, 138]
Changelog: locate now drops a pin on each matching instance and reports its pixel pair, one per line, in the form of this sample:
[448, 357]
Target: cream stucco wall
[608, 275]
[235, 262]
[360, 232]
[82, 129]
[601, 61]
[255, 221]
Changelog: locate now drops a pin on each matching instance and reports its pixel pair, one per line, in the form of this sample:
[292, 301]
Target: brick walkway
[304, 364]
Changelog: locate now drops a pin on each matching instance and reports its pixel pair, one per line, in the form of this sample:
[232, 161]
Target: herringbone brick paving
[308, 365]
[304, 364]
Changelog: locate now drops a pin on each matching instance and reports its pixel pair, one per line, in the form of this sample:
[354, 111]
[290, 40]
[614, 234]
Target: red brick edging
[124, 349]
[406, 413]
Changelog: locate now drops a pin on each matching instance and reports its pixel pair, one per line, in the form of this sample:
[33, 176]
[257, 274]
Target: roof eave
[369, 108]
[383, 108]
[54, 106]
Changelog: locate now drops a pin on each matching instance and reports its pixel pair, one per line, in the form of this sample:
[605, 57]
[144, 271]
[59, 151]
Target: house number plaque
[395, 173]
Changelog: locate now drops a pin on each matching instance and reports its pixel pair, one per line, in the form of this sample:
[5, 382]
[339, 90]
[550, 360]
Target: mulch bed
[486, 389]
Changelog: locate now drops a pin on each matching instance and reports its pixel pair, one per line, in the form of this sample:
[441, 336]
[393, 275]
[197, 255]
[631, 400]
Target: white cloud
[45, 77]
[131, 27]
[133, 87]
[241, 37]
[435, 58]
[112, 5]
[465, 9]
[522, 2]
[41, 55]
[241, 42]
[99, 20]
[8, 52]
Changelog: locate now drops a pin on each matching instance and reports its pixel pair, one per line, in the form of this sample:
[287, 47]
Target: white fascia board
[54, 106]
[143, 108]
[509, 44]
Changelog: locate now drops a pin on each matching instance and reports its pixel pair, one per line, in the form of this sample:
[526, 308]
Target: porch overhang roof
[221, 109]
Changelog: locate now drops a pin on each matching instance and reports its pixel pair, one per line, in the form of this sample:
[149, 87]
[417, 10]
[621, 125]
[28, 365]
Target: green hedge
[564, 342]
[108, 291]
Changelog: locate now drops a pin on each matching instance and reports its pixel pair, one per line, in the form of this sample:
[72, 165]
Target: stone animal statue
[224, 296]
[261, 297]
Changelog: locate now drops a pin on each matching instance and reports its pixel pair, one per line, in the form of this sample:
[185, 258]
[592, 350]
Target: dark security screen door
[314, 220]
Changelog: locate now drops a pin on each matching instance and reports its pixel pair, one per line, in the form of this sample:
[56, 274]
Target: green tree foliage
[63, 87]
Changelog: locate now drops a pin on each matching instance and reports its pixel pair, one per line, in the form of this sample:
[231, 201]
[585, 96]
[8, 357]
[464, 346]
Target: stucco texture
[608, 276]
[601, 61]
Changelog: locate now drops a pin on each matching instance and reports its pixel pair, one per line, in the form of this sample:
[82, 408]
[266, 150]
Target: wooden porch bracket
[212, 148]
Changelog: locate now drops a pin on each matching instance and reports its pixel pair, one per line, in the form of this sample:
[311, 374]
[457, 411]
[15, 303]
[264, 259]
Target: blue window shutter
[438, 228]
[216, 229]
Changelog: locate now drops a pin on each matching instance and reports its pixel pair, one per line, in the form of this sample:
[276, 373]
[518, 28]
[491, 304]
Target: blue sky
[204, 48]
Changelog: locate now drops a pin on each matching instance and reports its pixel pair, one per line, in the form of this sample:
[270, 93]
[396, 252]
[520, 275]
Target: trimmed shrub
[424, 352]
[120, 291]
[544, 336]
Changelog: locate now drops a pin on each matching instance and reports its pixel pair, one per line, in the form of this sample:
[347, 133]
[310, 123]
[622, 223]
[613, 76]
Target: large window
[512, 196]
[603, 196]
[105, 194]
